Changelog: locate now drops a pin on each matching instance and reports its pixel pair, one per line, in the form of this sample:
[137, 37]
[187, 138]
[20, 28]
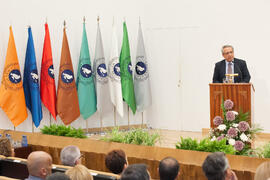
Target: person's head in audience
[58, 176]
[168, 168]
[70, 156]
[263, 171]
[216, 167]
[5, 147]
[116, 161]
[135, 172]
[79, 172]
[39, 164]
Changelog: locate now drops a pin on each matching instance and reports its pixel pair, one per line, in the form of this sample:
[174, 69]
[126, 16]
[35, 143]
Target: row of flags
[97, 88]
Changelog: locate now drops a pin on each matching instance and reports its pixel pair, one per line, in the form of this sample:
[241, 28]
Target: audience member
[216, 167]
[70, 156]
[168, 169]
[116, 161]
[135, 172]
[6, 148]
[263, 171]
[39, 165]
[57, 176]
[79, 172]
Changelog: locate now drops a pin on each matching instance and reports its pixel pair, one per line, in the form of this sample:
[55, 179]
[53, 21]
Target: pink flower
[218, 120]
[220, 137]
[228, 104]
[232, 132]
[243, 126]
[230, 116]
[239, 145]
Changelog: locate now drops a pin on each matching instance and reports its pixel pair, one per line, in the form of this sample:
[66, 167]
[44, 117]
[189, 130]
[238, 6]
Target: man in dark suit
[231, 65]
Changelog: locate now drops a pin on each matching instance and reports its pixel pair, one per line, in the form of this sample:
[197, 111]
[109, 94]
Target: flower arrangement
[234, 128]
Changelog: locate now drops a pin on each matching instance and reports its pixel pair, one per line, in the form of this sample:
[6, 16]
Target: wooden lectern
[240, 93]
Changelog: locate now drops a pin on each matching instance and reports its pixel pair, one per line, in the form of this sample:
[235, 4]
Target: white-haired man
[70, 156]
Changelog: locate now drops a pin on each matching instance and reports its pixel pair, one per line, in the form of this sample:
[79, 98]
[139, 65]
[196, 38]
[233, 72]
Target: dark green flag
[126, 72]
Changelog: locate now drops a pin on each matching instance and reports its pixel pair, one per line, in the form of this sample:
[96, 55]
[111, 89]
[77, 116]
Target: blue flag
[30, 81]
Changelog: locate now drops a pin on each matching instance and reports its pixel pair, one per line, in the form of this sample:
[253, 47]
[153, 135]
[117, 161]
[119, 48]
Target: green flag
[126, 72]
[85, 82]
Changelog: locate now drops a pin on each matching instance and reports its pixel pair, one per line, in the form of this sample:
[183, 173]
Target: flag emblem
[102, 74]
[86, 71]
[114, 69]
[67, 76]
[51, 71]
[34, 77]
[141, 69]
[15, 76]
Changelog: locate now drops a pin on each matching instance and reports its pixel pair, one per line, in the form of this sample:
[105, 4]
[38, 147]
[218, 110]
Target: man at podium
[230, 66]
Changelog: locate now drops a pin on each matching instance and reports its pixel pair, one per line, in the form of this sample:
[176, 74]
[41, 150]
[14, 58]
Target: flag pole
[128, 118]
[14, 128]
[114, 109]
[50, 119]
[87, 126]
[32, 126]
[101, 124]
[142, 120]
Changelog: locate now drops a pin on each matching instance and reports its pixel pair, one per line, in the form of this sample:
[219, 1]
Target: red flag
[67, 97]
[47, 83]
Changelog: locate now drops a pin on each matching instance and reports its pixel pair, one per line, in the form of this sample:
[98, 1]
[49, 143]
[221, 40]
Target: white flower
[231, 142]
[213, 138]
[236, 113]
[235, 125]
[222, 127]
[243, 137]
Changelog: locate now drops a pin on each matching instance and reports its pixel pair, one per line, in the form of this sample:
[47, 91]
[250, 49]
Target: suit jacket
[240, 67]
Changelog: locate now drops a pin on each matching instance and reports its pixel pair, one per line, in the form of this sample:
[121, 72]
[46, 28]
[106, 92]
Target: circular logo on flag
[86, 70]
[101, 70]
[67, 76]
[15, 76]
[34, 76]
[141, 69]
[51, 71]
[114, 69]
[130, 68]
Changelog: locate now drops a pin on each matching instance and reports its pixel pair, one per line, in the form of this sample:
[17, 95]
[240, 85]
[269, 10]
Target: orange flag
[67, 97]
[12, 99]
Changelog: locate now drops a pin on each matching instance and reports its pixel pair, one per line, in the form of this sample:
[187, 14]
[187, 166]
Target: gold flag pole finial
[140, 20]
[46, 20]
[64, 23]
[84, 19]
[98, 18]
[124, 19]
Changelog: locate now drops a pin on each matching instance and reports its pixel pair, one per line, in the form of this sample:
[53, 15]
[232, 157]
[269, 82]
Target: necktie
[229, 68]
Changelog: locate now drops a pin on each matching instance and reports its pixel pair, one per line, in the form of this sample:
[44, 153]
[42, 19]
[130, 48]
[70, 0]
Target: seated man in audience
[70, 156]
[216, 167]
[116, 161]
[79, 172]
[58, 176]
[39, 165]
[168, 169]
[135, 172]
[6, 148]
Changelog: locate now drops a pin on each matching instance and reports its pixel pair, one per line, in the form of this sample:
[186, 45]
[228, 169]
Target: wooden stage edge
[95, 150]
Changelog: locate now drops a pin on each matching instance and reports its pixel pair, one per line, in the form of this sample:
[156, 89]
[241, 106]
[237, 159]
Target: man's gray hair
[226, 46]
[215, 166]
[69, 155]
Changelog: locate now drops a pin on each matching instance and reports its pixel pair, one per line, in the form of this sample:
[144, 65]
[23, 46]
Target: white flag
[101, 77]
[114, 75]
[141, 76]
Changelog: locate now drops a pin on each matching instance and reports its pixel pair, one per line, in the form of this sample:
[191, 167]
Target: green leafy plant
[266, 151]
[205, 145]
[62, 130]
[134, 136]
